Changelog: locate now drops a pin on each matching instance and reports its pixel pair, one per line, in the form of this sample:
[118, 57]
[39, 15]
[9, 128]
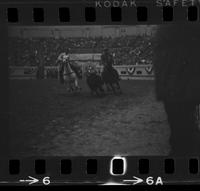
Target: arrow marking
[135, 180]
[30, 181]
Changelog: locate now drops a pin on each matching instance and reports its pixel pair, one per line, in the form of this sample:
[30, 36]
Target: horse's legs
[71, 85]
[113, 87]
[96, 91]
[66, 83]
[76, 83]
[70, 88]
[118, 87]
[108, 87]
[101, 89]
[92, 92]
[77, 87]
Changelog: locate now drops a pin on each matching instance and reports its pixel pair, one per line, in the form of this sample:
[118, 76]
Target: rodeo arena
[84, 90]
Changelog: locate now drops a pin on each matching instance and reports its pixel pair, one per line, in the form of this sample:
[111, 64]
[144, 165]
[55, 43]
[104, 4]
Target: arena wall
[126, 72]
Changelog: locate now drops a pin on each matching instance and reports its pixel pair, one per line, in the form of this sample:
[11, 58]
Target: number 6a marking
[46, 180]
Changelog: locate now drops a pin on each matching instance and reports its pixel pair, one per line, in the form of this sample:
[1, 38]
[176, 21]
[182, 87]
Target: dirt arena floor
[46, 120]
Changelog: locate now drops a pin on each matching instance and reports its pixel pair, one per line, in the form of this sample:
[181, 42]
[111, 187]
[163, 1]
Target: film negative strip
[100, 92]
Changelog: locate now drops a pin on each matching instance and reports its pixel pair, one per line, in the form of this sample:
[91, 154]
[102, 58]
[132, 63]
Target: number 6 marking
[46, 180]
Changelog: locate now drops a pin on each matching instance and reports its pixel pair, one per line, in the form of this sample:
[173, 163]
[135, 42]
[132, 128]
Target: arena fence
[126, 72]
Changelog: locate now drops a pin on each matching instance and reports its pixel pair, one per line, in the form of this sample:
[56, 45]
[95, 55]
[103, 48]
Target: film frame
[91, 170]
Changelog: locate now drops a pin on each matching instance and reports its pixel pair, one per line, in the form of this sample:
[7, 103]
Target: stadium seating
[126, 50]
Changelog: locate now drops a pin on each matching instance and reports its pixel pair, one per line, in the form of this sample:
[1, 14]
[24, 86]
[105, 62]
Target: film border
[77, 17]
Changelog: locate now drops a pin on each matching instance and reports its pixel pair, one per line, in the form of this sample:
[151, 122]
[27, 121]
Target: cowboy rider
[62, 58]
[107, 59]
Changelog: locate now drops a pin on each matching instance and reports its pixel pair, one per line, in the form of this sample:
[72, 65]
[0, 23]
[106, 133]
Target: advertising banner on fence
[125, 71]
[85, 57]
[20, 72]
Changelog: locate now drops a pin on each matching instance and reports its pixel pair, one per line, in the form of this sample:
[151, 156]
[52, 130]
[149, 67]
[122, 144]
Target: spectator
[127, 49]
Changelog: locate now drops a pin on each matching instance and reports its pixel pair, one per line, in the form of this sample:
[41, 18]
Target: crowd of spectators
[32, 51]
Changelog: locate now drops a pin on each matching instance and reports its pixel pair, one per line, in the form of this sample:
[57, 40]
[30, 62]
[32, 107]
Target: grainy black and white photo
[104, 90]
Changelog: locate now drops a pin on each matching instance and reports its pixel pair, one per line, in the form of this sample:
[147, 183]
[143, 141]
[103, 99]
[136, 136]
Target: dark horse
[94, 81]
[111, 79]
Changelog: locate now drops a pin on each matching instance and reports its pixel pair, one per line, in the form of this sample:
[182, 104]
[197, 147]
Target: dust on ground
[45, 120]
